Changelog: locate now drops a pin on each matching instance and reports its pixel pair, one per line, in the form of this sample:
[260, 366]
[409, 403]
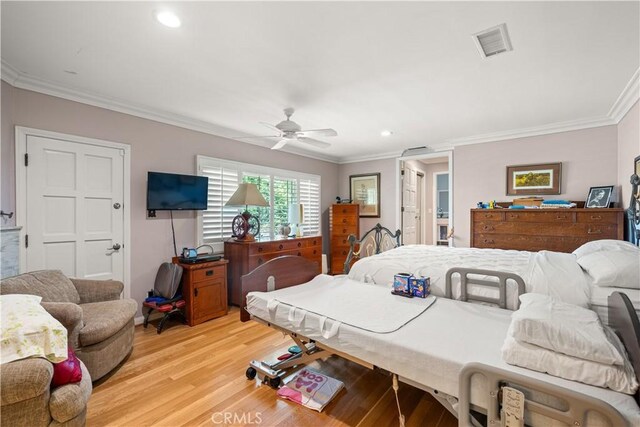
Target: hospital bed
[451, 350]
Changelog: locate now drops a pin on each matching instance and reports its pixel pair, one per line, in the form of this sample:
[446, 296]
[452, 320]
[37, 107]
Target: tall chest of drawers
[344, 219]
[244, 257]
[560, 230]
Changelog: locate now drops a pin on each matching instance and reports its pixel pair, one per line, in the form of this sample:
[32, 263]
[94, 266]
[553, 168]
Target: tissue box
[401, 283]
[420, 286]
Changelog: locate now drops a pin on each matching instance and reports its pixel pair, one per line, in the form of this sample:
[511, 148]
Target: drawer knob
[344, 211]
[597, 231]
[299, 244]
[596, 217]
[488, 228]
[344, 253]
[344, 242]
[489, 241]
[344, 231]
[315, 251]
[209, 273]
[488, 215]
[259, 248]
[299, 253]
[561, 217]
[280, 247]
[344, 220]
[260, 261]
[314, 243]
[195, 292]
[514, 215]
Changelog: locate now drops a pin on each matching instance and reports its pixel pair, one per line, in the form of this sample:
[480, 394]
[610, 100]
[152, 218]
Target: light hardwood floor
[187, 376]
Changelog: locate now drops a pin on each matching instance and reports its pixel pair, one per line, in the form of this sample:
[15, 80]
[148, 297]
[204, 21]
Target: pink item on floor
[311, 389]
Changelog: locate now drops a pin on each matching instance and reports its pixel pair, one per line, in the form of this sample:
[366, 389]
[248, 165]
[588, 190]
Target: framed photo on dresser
[599, 197]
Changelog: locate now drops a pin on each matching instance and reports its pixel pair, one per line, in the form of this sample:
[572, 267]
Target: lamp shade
[247, 195]
[296, 213]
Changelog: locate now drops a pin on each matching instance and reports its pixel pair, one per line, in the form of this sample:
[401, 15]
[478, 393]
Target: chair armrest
[70, 315]
[98, 290]
[24, 379]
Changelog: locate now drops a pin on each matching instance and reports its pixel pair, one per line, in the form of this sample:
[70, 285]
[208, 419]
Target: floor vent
[493, 41]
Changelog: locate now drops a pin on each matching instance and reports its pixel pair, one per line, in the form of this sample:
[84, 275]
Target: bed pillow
[617, 269]
[604, 245]
[563, 328]
[618, 378]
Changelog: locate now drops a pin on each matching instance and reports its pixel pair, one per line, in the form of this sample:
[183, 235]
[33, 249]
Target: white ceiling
[411, 67]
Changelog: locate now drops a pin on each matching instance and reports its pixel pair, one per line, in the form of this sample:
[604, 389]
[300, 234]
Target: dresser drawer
[541, 216]
[489, 215]
[343, 231]
[598, 217]
[345, 220]
[344, 210]
[528, 243]
[276, 246]
[591, 231]
[207, 274]
[315, 241]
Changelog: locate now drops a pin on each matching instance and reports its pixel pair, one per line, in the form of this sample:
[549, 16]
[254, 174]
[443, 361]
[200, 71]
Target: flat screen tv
[168, 191]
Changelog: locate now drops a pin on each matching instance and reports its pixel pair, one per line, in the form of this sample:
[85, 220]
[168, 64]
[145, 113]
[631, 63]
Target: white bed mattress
[550, 273]
[599, 297]
[430, 350]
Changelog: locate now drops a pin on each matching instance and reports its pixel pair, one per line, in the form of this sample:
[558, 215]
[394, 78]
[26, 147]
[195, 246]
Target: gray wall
[154, 146]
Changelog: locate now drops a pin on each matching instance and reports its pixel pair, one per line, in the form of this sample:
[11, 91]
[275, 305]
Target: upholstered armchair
[29, 400]
[99, 323]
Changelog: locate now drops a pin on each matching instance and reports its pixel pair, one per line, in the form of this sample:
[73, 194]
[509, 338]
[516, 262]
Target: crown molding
[627, 99]
[23, 81]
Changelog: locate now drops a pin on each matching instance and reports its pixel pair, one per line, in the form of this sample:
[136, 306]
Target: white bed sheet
[599, 302]
[550, 273]
[433, 348]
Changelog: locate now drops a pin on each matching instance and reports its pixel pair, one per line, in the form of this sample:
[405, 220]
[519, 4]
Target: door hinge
[26, 159]
[26, 240]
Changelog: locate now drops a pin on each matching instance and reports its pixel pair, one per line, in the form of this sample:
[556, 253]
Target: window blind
[279, 187]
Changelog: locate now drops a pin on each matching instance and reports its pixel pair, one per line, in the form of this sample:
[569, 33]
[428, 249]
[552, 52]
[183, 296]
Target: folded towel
[557, 202]
[516, 207]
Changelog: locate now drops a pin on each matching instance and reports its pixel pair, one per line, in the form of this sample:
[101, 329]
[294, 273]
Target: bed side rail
[466, 280]
[578, 405]
[373, 242]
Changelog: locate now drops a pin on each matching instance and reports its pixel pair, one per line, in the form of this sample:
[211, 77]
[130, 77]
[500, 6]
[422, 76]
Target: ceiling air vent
[493, 41]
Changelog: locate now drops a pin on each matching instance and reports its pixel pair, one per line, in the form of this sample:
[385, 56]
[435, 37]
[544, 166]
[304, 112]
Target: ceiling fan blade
[272, 127]
[256, 137]
[314, 142]
[280, 144]
[319, 132]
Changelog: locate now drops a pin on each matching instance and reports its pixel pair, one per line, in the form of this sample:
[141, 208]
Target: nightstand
[204, 287]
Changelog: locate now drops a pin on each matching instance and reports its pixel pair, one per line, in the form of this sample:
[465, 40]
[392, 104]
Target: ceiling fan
[288, 131]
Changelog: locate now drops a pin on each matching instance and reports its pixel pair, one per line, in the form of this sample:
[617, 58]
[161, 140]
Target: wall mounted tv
[168, 191]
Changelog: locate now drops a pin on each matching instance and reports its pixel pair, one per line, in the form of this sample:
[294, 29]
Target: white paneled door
[409, 214]
[74, 210]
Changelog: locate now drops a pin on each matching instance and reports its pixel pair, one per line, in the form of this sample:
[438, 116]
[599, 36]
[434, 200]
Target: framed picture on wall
[534, 179]
[364, 190]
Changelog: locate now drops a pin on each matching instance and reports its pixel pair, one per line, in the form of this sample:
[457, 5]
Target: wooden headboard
[374, 241]
[284, 271]
[624, 320]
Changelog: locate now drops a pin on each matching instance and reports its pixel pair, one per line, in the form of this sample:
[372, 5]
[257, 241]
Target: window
[442, 197]
[280, 188]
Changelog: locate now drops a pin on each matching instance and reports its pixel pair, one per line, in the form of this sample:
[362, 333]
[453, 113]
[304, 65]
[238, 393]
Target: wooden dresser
[560, 230]
[245, 256]
[204, 290]
[344, 219]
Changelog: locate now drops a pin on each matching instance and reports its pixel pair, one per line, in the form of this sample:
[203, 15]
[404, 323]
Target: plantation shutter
[284, 194]
[216, 220]
[310, 199]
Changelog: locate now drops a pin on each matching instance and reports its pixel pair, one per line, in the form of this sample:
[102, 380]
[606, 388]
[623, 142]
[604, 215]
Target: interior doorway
[424, 208]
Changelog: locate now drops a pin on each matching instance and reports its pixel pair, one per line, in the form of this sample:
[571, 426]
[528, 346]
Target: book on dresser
[344, 220]
[245, 256]
[559, 230]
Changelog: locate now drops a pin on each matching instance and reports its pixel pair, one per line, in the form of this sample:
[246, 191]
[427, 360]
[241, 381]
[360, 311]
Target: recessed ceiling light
[386, 133]
[168, 19]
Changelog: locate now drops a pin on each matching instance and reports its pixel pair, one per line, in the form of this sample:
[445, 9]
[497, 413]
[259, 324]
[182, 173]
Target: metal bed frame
[373, 242]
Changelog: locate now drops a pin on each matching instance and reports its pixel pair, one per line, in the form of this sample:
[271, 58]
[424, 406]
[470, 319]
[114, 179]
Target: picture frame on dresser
[364, 190]
[534, 179]
[599, 197]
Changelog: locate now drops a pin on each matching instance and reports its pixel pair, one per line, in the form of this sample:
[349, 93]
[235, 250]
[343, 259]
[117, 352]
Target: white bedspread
[549, 273]
[347, 301]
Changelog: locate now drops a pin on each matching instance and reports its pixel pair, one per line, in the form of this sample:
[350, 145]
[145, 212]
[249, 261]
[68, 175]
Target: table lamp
[246, 226]
[296, 216]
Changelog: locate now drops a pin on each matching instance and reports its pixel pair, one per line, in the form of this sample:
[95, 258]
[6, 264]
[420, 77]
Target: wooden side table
[204, 287]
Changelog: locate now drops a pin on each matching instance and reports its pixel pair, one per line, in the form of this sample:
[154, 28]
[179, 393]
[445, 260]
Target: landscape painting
[534, 179]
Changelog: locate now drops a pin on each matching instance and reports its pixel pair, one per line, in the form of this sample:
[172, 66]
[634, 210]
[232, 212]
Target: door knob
[115, 247]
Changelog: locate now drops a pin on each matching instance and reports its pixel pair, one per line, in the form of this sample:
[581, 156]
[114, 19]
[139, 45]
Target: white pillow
[604, 245]
[618, 269]
[563, 328]
[618, 378]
